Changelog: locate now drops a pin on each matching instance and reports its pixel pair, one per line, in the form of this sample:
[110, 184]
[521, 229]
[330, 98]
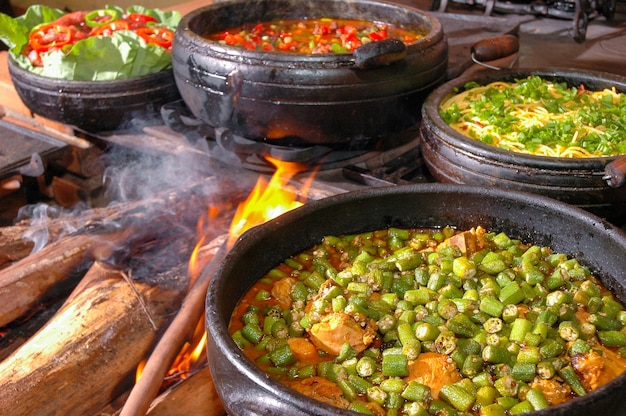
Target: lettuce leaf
[123, 55]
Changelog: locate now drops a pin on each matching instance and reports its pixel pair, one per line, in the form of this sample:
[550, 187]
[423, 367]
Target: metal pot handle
[615, 172]
[380, 53]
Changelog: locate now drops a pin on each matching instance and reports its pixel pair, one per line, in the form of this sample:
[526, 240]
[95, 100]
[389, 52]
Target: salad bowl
[96, 70]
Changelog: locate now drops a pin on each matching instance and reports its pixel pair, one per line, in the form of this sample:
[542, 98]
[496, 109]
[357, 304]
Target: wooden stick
[159, 362]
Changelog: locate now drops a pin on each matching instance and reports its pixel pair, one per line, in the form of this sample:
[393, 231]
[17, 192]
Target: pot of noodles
[349, 74]
[546, 131]
[420, 300]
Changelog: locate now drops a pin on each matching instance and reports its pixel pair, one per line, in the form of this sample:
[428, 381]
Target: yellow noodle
[529, 114]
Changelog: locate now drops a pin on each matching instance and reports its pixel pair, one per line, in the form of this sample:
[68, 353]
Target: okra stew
[433, 321]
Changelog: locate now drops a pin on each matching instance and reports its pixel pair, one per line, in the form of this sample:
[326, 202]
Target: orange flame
[267, 200]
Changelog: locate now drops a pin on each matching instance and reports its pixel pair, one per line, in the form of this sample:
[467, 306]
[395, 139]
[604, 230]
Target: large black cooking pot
[94, 105]
[246, 390]
[451, 157]
[300, 99]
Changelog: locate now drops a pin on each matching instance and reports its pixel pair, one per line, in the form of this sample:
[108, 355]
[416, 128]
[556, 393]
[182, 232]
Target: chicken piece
[468, 241]
[281, 290]
[320, 389]
[554, 392]
[337, 328]
[303, 349]
[434, 370]
[598, 368]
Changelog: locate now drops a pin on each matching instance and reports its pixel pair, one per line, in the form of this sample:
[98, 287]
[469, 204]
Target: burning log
[85, 356]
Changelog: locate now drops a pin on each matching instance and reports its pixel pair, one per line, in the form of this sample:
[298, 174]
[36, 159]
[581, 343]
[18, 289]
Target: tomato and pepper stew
[433, 322]
[311, 36]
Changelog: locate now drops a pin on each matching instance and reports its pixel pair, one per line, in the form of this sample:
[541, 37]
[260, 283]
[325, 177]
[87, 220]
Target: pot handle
[494, 48]
[615, 172]
[380, 53]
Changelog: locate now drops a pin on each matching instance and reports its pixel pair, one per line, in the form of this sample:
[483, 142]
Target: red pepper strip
[139, 17]
[109, 28]
[156, 35]
[50, 36]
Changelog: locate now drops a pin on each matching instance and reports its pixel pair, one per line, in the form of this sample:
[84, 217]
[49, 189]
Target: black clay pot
[246, 390]
[301, 99]
[94, 105]
[454, 158]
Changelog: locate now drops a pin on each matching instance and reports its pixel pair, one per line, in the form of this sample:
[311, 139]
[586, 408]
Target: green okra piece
[603, 322]
[537, 399]
[472, 365]
[437, 407]
[568, 330]
[360, 407]
[551, 348]
[359, 384]
[491, 306]
[414, 409]
[529, 354]
[507, 386]
[522, 407]
[426, 332]
[524, 371]
[347, 389]
[519, 328]
[568, 374]
[282, 356]
[494, 409]
[393, 385]
[366, 366]
[510, 313]
[420, 296]
[463, 267]
[457, 396]
[252, 332]
[545, 370]
[612, 338]
[462, 325]
[240, 340]
[377, 395]
[511, 294]
[496, 354]
[416, 392]
[395, 365]
[486, 395]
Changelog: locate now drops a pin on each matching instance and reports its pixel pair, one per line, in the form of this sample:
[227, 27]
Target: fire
[267, 200]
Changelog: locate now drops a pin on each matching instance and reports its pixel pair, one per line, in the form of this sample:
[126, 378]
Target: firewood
[183, 324]
[25, 283]
[86, 355]
[193, 396]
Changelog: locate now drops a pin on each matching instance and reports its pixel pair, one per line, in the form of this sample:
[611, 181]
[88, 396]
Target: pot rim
[434, 35]
[430, 114]
[218, 328]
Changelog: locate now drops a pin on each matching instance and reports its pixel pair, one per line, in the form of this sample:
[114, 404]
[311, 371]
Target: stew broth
[311, 36]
